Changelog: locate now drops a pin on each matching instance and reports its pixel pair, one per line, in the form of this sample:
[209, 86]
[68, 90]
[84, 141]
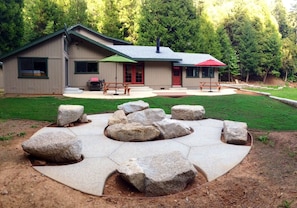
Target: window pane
[86, 67]
[139, 74]
[80, 67]
[32, 67]
[128, 73]
[92, 67]
[192, 72]
[207, 73]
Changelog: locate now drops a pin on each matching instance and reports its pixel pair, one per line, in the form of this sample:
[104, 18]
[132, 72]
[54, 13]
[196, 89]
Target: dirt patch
[265, 178]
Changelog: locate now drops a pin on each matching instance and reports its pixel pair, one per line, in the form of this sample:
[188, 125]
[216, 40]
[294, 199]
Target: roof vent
[158, 45]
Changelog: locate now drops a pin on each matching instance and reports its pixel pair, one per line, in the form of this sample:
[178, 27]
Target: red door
[176, 76]
[134, 73]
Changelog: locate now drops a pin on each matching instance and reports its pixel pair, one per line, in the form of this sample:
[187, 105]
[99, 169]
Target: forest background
[255, 38]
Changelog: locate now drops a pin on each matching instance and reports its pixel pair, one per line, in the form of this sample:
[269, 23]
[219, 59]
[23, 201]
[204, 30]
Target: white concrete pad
[142, 149]
[202, 135]
[103, 155]
[88, 176]
[94, 146]
[216, 160]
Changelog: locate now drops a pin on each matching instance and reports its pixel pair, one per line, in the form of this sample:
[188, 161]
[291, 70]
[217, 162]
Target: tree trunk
[247, 76]
[265, 76]
[286, 76]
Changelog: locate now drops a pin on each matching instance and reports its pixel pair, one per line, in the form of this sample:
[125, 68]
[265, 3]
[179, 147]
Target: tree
[270, 51]
[172, 21]
[42, 18]
[207, 39]
[129, 14]
[280, 15]
[11, 25]
[77, 13]
[111, 25]
[289, 57]
[248, 50]
[229, 55]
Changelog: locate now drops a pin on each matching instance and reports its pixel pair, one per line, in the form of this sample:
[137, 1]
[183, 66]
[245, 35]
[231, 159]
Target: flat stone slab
[102, 156]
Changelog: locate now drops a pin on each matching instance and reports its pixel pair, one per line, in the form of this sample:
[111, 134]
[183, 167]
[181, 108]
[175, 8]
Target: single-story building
[70, 57]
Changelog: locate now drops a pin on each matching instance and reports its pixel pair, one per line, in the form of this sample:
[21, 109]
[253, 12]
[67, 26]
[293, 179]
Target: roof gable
[34, 43]
[115, 41]
[65, 31]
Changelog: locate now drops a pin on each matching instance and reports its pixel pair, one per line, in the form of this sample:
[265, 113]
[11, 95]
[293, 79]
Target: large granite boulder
[118, 116]
[133, 106]
[147, 116]
[69, 113]
[132, 132]
[235, 132]
[159, 175]
[54, 147]
[187, 112]
[172, 128]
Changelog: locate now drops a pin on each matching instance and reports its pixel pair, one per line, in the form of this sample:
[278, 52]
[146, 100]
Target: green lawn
[259, 112]
[285, 92]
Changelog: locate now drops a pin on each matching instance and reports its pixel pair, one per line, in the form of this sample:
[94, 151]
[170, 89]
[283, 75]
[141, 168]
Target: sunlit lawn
[259, 112]
[285, 92]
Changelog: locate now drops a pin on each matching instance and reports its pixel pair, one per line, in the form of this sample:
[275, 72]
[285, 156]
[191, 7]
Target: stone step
[72, 90]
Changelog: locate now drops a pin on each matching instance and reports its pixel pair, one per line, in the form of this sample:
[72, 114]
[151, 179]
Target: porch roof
[147, 53]
[190, 59]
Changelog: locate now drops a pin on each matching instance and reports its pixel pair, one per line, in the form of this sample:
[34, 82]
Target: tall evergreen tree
[289, 57]
[77, 13]
[11, 25]
[248, 50]
[42, 18]
[270, 50]
[129, 14]
[111, 25]
[229, 56]
[172, 21]
[280, 15]
[207, 39]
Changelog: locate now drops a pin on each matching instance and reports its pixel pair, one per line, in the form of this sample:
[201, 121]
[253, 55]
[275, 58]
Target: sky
[288, 3]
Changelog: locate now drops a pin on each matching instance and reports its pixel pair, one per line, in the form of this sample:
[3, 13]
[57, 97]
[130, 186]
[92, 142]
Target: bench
[210, 85]
[116, 86]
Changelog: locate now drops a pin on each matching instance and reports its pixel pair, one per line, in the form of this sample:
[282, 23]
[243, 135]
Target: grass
[285, 92]
[259, 112]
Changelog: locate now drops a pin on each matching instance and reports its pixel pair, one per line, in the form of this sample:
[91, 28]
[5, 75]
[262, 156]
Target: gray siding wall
[52, 50]
[87, 52]
[94, 37]
[194, 83]
[1, 79]
[158, 75]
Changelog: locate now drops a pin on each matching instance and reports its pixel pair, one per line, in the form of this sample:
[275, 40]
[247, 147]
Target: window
[86, 67]
[207, 72]
[65, 44]
[192, 71]
[32, 67]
